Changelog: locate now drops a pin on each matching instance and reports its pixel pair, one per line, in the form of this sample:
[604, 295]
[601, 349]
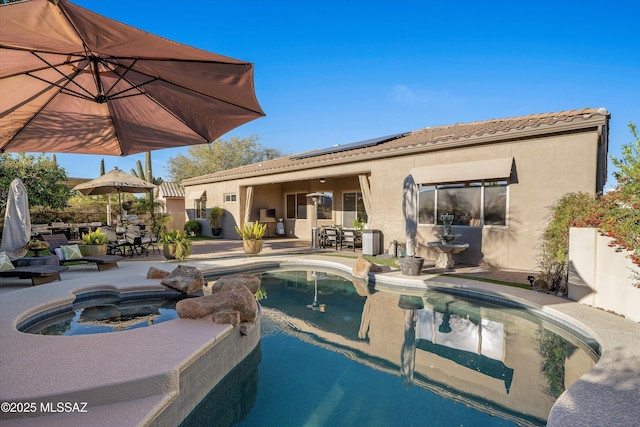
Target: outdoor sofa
[58, 243]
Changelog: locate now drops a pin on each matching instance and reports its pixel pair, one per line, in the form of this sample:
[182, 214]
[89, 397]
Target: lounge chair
[103, 262]
[39, 274]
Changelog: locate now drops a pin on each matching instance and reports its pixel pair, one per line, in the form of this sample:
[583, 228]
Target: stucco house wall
[552, 154]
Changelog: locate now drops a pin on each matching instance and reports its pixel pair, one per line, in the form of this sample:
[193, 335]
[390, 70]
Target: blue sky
[329, 72]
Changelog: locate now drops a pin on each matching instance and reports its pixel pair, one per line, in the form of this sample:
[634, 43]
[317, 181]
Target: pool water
[332, 355]
[99, 315]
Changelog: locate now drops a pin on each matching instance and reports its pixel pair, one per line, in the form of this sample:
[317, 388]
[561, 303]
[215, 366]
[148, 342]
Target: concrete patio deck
[607, 395]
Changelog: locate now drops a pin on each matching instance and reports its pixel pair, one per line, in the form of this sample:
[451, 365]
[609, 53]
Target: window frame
[297, 197]
[483, 185]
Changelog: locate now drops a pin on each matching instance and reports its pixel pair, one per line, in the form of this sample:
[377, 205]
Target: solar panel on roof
[338, 148]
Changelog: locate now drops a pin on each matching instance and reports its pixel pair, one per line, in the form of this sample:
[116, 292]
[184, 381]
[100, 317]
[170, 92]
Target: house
[171, 196]
[497, 177]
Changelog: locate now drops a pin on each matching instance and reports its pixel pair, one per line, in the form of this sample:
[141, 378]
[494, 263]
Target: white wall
[600, 275]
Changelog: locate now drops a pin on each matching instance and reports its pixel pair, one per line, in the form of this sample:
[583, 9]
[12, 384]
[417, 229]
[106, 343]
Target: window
[230, 197]
[201, 208]
[352, 208]
[297, 206]
[325, 206]
[472, 203]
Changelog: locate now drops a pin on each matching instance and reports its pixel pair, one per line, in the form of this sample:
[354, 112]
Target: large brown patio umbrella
[74, 81]
[114, 181]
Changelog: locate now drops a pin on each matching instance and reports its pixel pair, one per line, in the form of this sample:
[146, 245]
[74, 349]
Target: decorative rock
[362, 268]
[156, 273]
[184, 279]
[227, 316]
[251, 282]
[246, 327]
[237, 298]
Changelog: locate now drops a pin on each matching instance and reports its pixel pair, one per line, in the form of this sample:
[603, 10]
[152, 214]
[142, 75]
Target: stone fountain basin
[449, 247]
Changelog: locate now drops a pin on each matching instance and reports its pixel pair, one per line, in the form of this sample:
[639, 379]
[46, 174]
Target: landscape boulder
[236, 298]
[156, 273]
[185, 279]
[248, 280]
[225, 316]
[363, 267]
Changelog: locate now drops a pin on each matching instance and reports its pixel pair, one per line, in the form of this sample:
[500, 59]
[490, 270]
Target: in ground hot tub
[97, 312]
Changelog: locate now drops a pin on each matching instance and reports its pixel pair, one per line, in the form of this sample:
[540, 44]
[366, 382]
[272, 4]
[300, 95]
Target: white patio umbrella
[17, 221]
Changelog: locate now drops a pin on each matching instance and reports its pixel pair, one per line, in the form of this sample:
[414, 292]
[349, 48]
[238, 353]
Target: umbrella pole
[108, 210]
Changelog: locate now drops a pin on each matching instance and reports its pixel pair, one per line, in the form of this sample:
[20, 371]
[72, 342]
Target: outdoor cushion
[71, 252]
[59, 253]
[5, 262]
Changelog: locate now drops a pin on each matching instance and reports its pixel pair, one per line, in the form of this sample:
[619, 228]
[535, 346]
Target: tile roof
[420, 140]
[170, 189]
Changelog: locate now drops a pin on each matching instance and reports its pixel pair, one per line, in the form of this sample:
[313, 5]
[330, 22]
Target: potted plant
[36, 246]
[411, 265]
[94, 243]
[252, 234]
[359, 224]
[175, 245]
[215, 219]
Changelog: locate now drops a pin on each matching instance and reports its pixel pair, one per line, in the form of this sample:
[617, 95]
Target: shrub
[616, 214]
[193, 227]
[554, 258]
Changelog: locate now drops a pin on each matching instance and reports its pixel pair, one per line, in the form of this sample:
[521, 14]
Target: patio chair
[138, 242]
[39, 229]
[351, 238]
[331, 237]
[115, 245]
[58, 241]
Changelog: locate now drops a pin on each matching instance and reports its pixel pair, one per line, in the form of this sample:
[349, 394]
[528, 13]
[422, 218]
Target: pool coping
[608, 394]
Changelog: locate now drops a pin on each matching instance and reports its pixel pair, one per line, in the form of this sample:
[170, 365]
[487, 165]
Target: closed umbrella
[17, 221]
[410, 210]
[74, 81]
[114, 181]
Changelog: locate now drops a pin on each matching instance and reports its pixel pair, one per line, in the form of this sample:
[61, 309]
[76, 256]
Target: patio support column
[248, 203]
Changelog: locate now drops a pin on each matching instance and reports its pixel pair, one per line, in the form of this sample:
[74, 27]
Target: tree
[44, 179]
[628, 173]
[220, 155]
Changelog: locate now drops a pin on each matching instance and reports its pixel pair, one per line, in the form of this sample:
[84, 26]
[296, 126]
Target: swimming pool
[388, 358]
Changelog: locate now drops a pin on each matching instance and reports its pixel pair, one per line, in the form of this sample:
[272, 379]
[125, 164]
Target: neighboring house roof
[169, 190]
[430, 138]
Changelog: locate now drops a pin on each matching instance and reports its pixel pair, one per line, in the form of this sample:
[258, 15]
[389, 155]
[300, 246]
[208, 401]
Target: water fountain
[445, 247]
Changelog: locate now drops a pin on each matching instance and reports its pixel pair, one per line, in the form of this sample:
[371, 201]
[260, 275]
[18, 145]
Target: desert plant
[252, 230]
[193, 227]
[180, 241]
[95, 237]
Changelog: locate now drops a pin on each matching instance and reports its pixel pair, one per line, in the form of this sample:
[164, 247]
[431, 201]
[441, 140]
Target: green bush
[193, 228]
[616, 214]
